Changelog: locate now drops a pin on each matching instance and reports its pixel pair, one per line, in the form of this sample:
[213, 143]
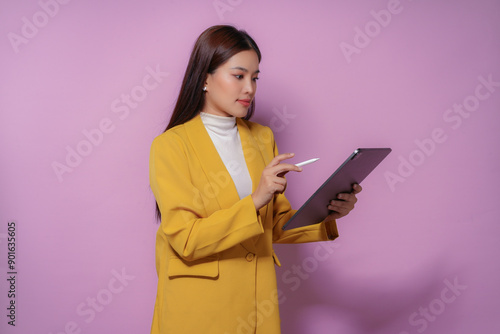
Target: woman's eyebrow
[243, 69]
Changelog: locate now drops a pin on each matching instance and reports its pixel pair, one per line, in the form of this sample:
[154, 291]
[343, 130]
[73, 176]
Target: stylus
[307, 162]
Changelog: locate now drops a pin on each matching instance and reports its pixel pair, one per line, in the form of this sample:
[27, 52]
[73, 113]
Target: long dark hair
[212, 49]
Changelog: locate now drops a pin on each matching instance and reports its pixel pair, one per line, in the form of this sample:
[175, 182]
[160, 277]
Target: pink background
[399, 251]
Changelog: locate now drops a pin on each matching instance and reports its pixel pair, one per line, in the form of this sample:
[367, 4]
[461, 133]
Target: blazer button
[250, 257]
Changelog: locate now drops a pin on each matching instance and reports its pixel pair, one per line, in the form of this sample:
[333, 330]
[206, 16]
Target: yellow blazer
[214, 255]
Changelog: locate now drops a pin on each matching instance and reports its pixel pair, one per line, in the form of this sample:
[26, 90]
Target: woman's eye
[239, 76]
[255, 79]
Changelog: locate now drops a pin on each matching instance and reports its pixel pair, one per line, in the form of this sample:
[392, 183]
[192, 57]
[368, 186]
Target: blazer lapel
[253, 155]
[255, 164]
[216, 172]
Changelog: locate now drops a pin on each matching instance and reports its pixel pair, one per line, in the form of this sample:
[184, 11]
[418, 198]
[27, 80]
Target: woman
[218, 182]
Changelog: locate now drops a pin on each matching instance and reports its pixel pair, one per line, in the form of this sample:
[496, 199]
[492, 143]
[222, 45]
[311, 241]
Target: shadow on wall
[358, 304]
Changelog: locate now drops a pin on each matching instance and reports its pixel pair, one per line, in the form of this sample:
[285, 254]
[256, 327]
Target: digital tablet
[354, 170]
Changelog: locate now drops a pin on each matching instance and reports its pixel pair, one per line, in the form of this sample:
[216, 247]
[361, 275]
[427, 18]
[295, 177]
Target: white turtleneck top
[226, 138]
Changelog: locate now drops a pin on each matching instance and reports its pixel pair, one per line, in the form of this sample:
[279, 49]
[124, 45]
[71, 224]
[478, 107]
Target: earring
[205, 88]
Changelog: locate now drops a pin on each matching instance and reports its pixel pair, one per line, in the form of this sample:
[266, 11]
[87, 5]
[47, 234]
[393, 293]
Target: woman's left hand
[344, 204]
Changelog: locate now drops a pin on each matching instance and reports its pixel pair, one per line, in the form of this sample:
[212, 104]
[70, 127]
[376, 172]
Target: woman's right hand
[272, 180]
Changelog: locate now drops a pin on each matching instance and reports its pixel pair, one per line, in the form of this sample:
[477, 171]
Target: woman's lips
[245, 102]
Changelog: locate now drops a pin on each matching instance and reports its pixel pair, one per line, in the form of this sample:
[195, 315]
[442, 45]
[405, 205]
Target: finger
[336, 206]
[280, 157]
[347, 197]
[338, 213]
[279, 180]
[279, 188]
[356, 188]
[279, 184]
[339, 210]
[340, 205]
[285, 168]
[281, 174]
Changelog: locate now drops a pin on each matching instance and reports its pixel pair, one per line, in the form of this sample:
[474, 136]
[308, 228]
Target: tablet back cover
[354, 170]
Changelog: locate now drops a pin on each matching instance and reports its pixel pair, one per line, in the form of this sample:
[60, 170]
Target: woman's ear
[207, 80]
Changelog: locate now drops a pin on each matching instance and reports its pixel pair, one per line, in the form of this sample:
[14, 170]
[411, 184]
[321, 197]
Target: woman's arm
[282, 212]
[339, 207]
[326, 230]
[190, 229]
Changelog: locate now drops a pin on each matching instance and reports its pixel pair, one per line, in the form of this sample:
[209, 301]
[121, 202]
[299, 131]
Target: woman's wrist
[256, 202]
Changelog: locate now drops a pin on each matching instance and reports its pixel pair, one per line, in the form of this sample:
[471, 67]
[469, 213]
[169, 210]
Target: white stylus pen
[307, 162]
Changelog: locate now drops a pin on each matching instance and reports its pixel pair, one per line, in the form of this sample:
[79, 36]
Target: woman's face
[231, 88]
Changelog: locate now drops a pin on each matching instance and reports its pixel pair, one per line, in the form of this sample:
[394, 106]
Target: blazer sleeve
[189, 229]
[282, 212]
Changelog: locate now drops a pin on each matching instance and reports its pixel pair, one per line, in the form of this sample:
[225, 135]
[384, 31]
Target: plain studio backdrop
[87, 85]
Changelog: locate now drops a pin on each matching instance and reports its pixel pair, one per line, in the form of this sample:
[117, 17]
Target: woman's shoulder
[181, 135]
[172, 136]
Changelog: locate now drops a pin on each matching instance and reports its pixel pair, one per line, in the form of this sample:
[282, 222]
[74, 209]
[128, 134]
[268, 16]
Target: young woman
[218, 183]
